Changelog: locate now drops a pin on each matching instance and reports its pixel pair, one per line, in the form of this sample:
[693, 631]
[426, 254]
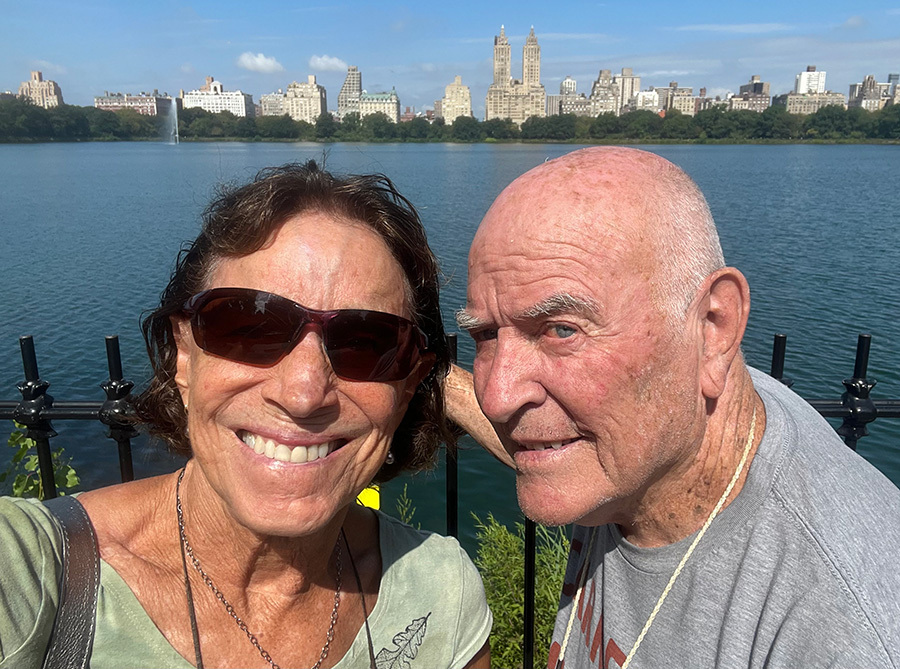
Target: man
[720, 522]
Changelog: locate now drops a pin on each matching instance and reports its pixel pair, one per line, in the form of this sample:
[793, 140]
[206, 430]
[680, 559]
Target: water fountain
[173, 121]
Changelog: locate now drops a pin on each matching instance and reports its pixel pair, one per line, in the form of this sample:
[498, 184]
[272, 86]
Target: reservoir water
[89, 234]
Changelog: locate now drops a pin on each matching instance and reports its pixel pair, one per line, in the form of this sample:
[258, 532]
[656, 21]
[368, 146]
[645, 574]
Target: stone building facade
[41, 92]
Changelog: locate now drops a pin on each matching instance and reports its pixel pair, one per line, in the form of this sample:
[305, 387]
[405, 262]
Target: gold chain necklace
[678, 569]
[187, 549]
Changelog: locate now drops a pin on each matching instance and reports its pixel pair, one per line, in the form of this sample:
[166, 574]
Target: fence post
[28, 413]
[116, 409]
[778, 347]
[856, 397]
[451, 464]
[530, 558]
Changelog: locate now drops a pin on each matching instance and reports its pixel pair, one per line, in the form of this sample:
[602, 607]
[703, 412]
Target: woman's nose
[303, 382]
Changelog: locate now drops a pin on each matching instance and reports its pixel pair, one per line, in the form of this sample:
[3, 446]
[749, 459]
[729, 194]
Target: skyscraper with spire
[511, 98]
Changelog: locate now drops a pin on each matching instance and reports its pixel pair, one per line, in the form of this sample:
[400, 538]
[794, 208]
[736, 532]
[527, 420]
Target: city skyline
[418, 51]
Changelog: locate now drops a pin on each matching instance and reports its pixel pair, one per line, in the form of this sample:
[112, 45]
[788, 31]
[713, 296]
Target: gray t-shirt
[802, 569]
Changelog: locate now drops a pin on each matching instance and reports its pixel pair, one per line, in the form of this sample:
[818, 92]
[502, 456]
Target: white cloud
[325, 63]
[187, 68]
[742, 28]
[854, 22]
[259, 63]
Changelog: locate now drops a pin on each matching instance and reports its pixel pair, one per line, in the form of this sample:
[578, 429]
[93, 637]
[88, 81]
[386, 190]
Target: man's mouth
[283, 453]
[544, 445]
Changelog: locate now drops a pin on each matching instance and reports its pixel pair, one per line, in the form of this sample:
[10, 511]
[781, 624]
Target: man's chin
[541, 509]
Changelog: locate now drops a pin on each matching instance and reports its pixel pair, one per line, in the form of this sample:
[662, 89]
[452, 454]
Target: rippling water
[90, 232]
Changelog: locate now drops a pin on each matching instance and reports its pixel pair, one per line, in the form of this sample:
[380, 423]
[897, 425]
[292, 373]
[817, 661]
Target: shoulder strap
[73, 630]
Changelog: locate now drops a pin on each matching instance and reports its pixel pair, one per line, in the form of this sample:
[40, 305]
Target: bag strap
[79, 581]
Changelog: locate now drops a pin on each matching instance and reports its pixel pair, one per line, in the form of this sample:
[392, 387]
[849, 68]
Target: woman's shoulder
[30, 552]
[410, 548]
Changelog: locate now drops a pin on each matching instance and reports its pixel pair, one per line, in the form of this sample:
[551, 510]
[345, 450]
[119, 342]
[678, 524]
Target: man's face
[592, 392]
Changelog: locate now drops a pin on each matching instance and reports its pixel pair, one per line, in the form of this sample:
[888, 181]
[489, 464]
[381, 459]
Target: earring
[389, 460]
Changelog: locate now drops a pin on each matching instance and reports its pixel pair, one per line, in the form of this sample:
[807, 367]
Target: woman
[298, 354]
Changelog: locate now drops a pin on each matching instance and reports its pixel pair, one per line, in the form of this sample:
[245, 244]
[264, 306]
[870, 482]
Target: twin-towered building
[511, 98]
[305, 101]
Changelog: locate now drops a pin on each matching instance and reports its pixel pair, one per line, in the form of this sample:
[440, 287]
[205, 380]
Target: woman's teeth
[275, 451]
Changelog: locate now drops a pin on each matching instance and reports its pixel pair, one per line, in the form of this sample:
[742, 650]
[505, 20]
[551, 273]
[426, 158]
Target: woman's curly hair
[239, 222]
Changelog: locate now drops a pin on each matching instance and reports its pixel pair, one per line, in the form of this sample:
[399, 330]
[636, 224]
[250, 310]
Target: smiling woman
[298, 355]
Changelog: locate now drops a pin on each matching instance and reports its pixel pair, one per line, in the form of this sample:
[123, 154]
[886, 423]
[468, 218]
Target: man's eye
[561, 331]
[484, 335]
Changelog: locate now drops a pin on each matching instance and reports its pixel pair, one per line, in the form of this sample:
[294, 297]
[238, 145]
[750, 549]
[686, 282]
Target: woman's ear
[184, 341]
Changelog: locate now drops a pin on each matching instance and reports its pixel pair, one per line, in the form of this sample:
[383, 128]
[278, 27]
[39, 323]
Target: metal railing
[37, 409]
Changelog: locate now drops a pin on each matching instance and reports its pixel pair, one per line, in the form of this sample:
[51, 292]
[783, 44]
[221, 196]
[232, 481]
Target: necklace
[678, 569]
[187, 550]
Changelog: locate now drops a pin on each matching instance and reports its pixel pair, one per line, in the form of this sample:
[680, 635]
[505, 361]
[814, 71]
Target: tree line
[21, 121]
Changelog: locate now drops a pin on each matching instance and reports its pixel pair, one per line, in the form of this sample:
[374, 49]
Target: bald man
[719, 520]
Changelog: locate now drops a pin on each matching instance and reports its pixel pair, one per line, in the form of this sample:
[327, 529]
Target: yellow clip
[370, 497]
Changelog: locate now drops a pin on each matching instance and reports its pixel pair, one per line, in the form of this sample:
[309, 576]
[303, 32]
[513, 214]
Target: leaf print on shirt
[407, 642]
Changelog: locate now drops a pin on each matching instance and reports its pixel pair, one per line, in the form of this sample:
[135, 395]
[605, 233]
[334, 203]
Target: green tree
[829, 122]
[641, 124]
[438, 130]
[416, 129]
[498, 128]
[378, 126]
[326, 126]
[280, 127]
[776, 123]
[69, 122]
[604, 125]
[887, 123]
[678, 126]
[466, 129]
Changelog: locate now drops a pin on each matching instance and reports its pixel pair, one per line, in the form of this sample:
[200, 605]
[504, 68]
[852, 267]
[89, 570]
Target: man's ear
[726, 308]
[181, 333]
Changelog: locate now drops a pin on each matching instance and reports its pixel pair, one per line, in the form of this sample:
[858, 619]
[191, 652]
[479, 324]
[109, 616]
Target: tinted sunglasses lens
[370, 346]
[243, 328]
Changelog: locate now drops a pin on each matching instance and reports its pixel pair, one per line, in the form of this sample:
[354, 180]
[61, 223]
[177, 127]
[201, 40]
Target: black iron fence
[37, 409]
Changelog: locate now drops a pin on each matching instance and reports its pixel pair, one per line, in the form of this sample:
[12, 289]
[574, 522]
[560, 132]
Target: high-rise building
[811, 81]
[457, 101]
[893, 80]
[348, 98]
[502, 71]
[509, 98]
[869, 94]
[213, 97]
[568, 86]
[604, 95]
[306, 101]
[680, 98]
[42, 93]
[272, 104]
[629, 85]
[753, 96]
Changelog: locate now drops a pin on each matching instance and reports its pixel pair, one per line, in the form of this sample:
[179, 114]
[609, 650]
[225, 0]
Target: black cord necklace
[186, 549]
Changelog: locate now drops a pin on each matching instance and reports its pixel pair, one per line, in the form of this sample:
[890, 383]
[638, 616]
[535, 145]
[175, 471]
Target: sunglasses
[259, 328]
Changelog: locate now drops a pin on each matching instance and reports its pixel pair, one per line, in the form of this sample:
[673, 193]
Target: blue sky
[92, 46]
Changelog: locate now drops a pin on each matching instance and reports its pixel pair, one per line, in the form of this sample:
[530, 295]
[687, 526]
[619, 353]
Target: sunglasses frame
[319, 319]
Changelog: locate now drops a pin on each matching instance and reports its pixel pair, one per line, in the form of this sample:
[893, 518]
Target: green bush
[23, 472]
[501, 561]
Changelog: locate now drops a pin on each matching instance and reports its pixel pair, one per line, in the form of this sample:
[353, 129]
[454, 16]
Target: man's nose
[303, 382]
[507, 378]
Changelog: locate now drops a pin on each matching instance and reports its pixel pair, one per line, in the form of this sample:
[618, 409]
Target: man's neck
[679, 503]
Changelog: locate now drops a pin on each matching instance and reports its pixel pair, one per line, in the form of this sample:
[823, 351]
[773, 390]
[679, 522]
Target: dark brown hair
[240, 221]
